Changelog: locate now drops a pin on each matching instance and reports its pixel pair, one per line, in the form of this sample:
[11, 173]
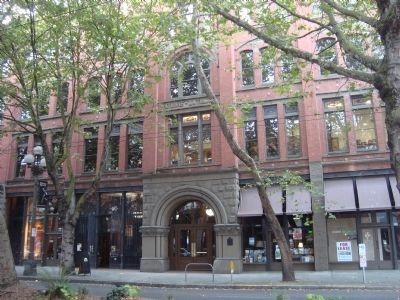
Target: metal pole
[30, 264]
[364, 274]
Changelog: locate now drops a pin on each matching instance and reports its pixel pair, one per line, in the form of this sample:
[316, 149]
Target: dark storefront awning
[250, 203]
[339, 195]
[373, 193]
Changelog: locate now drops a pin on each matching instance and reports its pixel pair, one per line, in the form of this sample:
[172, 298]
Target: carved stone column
[154, 249]
[228, 240]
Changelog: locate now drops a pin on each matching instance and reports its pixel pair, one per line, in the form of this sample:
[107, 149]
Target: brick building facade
[173, 192]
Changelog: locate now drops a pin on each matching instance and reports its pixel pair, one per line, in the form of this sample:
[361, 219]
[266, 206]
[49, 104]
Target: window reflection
[190, 139]
[335, 124]
[271, 131]
[364, 124]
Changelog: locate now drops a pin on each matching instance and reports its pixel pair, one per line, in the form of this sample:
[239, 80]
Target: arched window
[325, 49]
[184, 79]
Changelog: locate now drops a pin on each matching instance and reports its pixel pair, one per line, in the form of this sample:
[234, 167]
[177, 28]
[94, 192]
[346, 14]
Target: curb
[268, 286]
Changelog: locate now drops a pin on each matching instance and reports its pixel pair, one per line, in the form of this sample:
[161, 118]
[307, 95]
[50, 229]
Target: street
[100, 290]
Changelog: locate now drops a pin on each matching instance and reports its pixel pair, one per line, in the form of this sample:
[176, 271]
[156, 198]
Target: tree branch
[277, 43]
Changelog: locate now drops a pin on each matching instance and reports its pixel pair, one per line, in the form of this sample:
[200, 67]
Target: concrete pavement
[375, 279]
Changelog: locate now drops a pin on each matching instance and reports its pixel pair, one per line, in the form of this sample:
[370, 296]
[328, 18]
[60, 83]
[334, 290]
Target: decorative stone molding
[154, 231]
[186, 103]
[227, 229]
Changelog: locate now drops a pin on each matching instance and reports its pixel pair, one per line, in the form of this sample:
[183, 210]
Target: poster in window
[297, 234]
[344, 252]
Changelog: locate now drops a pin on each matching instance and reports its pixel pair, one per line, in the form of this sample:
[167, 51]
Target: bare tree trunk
[8, 275]
[67, 248]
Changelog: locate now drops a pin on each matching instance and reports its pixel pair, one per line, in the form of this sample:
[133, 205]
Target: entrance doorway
[378, 247]
[375, 233]
[192, 238]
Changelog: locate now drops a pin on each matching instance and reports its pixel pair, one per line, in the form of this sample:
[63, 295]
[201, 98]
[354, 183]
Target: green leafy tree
[44, 44]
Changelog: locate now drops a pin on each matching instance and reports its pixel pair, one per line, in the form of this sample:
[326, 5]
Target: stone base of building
[155, 265]
[223, 265]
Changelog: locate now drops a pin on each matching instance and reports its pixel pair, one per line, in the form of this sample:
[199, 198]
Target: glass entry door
[191, 238]
[378, 247]
[191, 244]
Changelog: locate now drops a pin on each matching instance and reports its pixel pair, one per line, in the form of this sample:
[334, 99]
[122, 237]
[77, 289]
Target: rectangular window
[135, 145]
[289, 68]
[136, 84]
[250, 133]
[117, 88]
[190, 139]
[335, 124]
[58, 149]
[2, 111]
[113, 149]
[364, 124]
[62, 99]
[271, 131]
[267, 66]
[93, 93]
[22, 150]
[91, 137]
[247, 68]
[292, 123]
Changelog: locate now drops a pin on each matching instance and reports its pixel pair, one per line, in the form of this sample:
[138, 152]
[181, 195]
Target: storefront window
[342, 238]
[396, 221]
[37, 232]
[301, 238]
[254, 241]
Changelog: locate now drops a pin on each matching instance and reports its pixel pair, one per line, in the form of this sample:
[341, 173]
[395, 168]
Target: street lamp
[37, 163]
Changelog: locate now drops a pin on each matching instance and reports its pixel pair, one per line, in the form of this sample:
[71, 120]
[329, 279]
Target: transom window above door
[184, 79]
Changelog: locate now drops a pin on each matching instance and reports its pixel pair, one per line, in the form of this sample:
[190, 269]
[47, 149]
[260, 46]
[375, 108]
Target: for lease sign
[343, 250]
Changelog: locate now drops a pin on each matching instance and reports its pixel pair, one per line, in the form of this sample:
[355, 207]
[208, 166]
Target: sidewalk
[375, 279]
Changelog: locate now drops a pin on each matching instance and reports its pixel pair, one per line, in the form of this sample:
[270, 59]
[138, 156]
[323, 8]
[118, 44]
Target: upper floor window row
[185, 81]
[339, 130]
[272, 69]
[276, 127]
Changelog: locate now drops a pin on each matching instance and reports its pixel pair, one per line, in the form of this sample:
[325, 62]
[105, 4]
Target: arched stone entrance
[165, 196]
[191, 235]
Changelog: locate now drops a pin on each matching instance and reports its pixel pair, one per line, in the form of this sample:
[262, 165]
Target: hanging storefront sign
[344, 252]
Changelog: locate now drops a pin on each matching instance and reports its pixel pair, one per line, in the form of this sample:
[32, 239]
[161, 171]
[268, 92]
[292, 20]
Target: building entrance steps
[375, 279]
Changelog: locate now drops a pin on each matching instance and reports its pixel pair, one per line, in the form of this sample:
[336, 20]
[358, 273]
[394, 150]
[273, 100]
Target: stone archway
[164, 195]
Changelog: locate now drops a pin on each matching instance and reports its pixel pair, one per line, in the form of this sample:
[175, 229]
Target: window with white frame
[289, 68]
[364, 123]
[190, 139]
[184, 79]
[335, 125]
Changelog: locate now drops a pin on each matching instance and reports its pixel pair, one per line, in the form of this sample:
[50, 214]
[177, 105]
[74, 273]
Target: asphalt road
[148, 293]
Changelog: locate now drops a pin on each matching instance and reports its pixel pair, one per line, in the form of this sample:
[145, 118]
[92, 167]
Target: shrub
[123, 292]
